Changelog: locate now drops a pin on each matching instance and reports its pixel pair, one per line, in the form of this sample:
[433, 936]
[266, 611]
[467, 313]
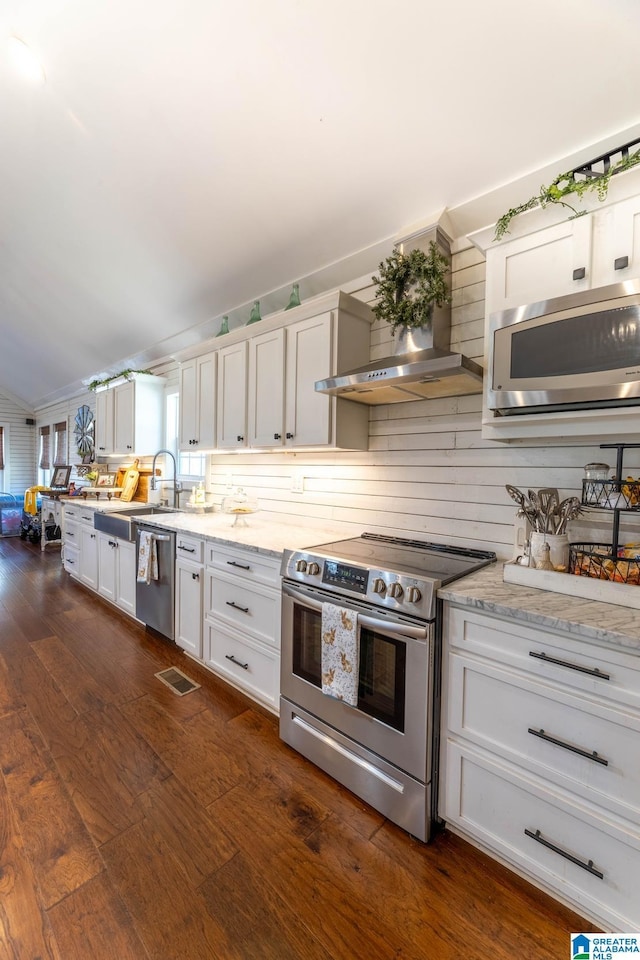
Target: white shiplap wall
[428, 471]
[19, 472]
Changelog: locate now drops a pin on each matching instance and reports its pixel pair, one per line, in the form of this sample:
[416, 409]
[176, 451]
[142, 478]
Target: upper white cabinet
[232, 395]
[266, 375]
[594, 250]
[266, 389]
[130, 416]
[198, 403]
[104, 423]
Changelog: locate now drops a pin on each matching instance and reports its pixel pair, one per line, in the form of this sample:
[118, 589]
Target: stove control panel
[381, 588]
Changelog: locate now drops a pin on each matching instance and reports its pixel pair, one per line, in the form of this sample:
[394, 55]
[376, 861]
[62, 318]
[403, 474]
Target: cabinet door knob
[621, 263]
[289, 436]
[277, 436]
[579, 273]
[240, 439]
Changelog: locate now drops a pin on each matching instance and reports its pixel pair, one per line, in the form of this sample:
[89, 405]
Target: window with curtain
[60, 444]
[1, 448]
[44, 463]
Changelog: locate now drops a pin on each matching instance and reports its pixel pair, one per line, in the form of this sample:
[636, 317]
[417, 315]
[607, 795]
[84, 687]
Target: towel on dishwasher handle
[340, 653]
[147, 558]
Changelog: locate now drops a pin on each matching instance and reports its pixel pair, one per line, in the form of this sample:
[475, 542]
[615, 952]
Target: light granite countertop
[269, 534]
[590, 620]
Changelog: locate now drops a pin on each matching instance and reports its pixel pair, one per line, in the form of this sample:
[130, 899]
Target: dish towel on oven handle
[147, 558]
[340, 653]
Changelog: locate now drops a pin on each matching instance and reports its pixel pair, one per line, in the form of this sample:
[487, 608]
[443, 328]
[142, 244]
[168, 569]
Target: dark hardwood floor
[137, 824]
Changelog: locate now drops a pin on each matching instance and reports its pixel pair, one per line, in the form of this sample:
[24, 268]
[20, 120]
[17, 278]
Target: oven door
[393, 716]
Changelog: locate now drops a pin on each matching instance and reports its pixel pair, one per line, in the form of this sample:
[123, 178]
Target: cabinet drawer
[71, 560]
[189, 548]
[72, 533]
[495, 805]
[247, 665]
[254, 567]
[71, 512]
[254, 609]
[590, 749]
[604, 674]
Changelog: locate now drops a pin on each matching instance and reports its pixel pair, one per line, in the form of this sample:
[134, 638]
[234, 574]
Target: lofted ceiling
[183, 158]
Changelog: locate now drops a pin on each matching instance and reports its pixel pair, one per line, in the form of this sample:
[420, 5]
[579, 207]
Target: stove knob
[313, 569]
[379, 586]
[414, 595]
[396, 591]
[301, 566]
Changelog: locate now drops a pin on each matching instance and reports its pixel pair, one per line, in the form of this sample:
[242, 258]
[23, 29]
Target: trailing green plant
[565, 185]
[127, 374]
[410, 286]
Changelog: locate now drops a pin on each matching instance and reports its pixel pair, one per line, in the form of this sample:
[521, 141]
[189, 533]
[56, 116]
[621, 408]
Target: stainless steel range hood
[410, 376]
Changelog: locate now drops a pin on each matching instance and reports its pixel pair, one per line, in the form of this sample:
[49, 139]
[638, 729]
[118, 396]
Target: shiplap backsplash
[428, 471]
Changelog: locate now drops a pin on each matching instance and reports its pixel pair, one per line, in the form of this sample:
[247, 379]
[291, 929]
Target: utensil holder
[558, 548]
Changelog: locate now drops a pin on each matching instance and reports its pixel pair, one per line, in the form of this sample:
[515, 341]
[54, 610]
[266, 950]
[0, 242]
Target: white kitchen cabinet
[232, 396]
[89, 556]
[242, 621]
[189, 594]
[540, 753]
[104, 422]
[117, 571]
[130, 417]
[266, 389]
[265, 396]
[197, 429]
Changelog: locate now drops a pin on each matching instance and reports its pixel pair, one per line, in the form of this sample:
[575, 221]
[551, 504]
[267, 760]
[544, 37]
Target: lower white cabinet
[189, 594]
[540, 759]
[89, 557]
[242, 621]
[117, 572]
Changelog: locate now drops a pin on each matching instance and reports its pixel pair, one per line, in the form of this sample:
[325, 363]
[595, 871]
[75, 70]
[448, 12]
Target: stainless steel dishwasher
[155, 603]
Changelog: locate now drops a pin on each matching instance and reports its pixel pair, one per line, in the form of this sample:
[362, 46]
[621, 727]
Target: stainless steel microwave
[572, 352]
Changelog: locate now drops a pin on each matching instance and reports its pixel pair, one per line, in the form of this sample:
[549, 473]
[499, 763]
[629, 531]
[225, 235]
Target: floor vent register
[179, 682]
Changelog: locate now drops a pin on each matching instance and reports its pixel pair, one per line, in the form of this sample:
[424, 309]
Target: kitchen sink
[119, 523]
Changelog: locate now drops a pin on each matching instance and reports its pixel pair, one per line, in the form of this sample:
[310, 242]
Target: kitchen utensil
[525, 507]
[569, 509]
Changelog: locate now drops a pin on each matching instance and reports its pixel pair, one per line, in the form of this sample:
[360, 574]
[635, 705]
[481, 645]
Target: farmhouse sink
[119, 524]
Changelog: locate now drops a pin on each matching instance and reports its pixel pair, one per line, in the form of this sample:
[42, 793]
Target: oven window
[382, 680]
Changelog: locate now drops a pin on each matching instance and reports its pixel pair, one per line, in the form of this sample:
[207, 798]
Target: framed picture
[106, 480]
[60, 477]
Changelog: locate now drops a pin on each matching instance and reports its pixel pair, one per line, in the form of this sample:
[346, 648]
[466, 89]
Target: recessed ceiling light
[24, 61]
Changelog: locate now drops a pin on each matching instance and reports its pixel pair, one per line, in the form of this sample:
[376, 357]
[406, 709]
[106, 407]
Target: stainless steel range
[383, 745]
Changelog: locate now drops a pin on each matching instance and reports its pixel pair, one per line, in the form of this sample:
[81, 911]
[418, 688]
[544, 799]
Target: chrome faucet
[177, 487]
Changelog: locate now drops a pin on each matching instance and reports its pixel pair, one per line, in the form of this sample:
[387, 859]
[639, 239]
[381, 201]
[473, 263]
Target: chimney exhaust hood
[416, 375]
[424, 366]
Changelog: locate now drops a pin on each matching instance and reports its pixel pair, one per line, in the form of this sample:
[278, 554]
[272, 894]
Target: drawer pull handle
[69, 534]
[235, 606]
[579, 273]
[570, 666]
[186, 549]
[243, 566]
[229, 656]
[590, 755]
[588, 866]
[621, 263]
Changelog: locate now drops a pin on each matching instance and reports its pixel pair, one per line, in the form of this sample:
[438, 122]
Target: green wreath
[410, 286]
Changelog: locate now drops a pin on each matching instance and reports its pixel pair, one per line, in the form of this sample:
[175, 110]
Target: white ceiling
[187, 156]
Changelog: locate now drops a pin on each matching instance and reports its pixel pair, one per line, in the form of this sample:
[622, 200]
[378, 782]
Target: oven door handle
[391, 628]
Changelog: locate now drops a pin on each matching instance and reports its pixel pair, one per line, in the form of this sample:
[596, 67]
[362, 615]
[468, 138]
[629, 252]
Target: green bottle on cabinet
[294, 299]
[254, 316]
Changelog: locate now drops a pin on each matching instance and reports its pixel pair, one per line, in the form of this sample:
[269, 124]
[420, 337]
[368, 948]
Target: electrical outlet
[297, 483]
